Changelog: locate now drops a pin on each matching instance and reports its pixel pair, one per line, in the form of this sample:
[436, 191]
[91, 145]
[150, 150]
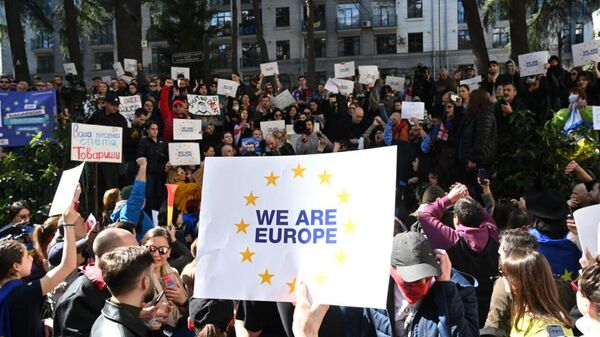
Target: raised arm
[440, 235]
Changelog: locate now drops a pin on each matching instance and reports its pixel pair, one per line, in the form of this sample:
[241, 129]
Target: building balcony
[383, 21]
[348, 25]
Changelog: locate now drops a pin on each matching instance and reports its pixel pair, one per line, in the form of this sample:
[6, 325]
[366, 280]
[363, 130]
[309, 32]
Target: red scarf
[411, 291]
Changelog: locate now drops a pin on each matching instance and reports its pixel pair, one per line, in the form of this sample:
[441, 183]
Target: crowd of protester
[462, 263]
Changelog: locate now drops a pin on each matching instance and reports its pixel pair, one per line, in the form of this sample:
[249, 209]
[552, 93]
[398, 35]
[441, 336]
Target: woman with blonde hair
[186, 190]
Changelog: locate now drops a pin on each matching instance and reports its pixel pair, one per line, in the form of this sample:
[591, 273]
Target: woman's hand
[176, 294]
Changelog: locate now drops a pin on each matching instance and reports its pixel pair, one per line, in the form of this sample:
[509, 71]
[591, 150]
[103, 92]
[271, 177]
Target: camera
[20, 231]
[301, 128]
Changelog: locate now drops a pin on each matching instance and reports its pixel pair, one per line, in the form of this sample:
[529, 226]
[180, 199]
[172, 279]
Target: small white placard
[269, 69]
[344, 69]
[473, 82]
[63, 198]
[533, 63]
[203, 105]
[176, 71]
[331, 86]
[70, 68]
[118, 68]
[130, 65]
[227, 87]
[585, 53]
[346, 87]
[596, 112]
[187, 129]
[586, 221]
[127, 79]
[268, 127]
[284, 99]
[368, 74]
[413, 110]
[128, 106]
[184, 154]
[106, 79]
[396, 83]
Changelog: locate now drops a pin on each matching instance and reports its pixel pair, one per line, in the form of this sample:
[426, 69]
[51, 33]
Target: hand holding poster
[290, 218]
[533, 63]
[70, 68]
[130, 65]
[118, 68]
[345, 87]
[96, 143]
[63, 198]
[587, 221]
[187, 129]
[269, 69]
[128, 106]
[585, 53]
[199, 105]
[284, 99]
[268, 127]
[227, 87]
[473, 82]
[396, 83]
[184, 154]
[413, 110]
[176, 71]
[368, 74]
[344, 69]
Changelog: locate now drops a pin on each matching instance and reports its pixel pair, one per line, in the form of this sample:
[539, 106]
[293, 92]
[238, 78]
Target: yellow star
[292, 285]
[247, 255]
[272, 179]
[344, 197]
[266, 277]
[320, 278]
[349, 226]
[324, 177]
[567, 276]
[340, 256]
[299, 171]
[242, 227]
[251, 199]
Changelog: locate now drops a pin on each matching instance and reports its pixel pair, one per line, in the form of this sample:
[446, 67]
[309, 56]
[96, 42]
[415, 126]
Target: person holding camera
[310, 142]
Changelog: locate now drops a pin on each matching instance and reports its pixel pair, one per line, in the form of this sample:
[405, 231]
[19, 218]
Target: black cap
[112, 98]
[547, 205]
[206, 311]
[413, 257]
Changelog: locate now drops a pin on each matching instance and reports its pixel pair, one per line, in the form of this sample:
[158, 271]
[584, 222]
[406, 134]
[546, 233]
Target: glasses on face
[160, 250]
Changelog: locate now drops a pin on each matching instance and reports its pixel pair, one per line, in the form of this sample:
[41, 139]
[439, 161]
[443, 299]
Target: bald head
[396, 118]
[112, 238]
[357, 115]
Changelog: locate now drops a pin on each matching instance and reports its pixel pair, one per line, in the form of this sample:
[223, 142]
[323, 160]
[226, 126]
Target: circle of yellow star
[247, 255]
[567, 276]
[324, 177]
[266, 277]
[320, 278]
[251, 199]
[344, 197]
[349, 226]
[299, 171]
[292, 285]
[272, 179]
[242, 227]
[340, 256]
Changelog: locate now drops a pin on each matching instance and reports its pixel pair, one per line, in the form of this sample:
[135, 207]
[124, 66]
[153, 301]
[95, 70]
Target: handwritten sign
[176, 71]
[184, 154]
[70, 68]
[118, 68]
[413, 110]
[585, 53]
[396, 83]
[284, 99]
[533, 63]
[331, 86]
[187, 129]
[96, 143]
[368, 74]
[473, 82]
[346, 87]
[227, 87]
[269, 127]
[344, 70]
[130, 65]
[63, 198]
[269, 69]
[199, 105]
[128, 106]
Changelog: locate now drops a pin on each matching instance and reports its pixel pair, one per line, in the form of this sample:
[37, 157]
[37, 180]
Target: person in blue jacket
[130, 208]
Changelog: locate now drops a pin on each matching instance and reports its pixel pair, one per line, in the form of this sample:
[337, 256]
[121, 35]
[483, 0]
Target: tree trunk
[310, 45]
[235, 35]
[12, 10]
[73, 37]
[517, 19]
[128, 18]
[476, 35]
[560, 38]
[260, 32]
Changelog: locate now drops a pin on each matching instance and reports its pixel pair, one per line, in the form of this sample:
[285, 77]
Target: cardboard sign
[344, 69]
[184, 154]
[176, 71]
[413, 110]
[128, 106]
[596, 117]
[130, 65]
[187, 129]
[587, 220]
[396, 83]
[585, 53]
[346, 87]
[473, 83]
[331, 86]
[118, 68]
[63, 198]
[70, 68]
[368, 74]
[533, 63]
[96, 143]
[227, 87]
[199, 105]
[268, 127]
[269, 69]
[284, 99]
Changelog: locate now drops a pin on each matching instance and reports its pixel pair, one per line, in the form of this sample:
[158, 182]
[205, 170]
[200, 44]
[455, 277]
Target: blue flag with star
[24, 114]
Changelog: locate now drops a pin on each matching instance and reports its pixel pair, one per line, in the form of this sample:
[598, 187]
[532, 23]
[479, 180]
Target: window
[464, 40]
[460, 12]
[45, 64]
[159, 60]
[415, 9]
[43, 40]
[384, 13]
[415, 42]
[579, 32]
[349, 46]
[386, 44]
[282, 50]
[248, 23]
[348, 16]
[221, 21]
[250, 54]
[499, 37]
[102, 34]
[319, 20]
[282, 17]
[320, 46]
[105, 59]
[221, 56]
[219, 3]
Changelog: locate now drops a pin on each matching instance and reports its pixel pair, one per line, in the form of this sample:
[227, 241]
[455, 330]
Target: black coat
[477, 137]
[118, 321]
[156, 154]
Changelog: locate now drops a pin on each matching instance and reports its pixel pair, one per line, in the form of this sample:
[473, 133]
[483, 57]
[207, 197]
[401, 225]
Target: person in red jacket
[179, 110]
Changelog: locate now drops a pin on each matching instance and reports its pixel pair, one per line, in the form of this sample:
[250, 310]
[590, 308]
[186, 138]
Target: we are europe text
[308, 227]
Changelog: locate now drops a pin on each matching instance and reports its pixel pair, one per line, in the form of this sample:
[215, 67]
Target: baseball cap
[413, 257]
[112, 98]
[178, 102]
[55, 252]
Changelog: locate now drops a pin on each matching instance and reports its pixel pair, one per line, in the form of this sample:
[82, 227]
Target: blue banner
[24, 114]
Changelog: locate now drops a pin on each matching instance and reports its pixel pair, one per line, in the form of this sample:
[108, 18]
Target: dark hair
[517, 238]
[518, 218]
[236, 74]
[157, 232]
[11, 252]
[478, 100]
[554, 228]
[579, 91]
[43, 234]
[15, 208]
[140, 112]
[492, 62]
[126, 225]
[466, 86]
[589, 284]
[96, 78]
[149, 125]
[469, 212]
[122, 268]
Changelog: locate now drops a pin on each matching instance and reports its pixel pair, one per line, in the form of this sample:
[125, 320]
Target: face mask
[573, 98]
[235, 108]
[411, 291]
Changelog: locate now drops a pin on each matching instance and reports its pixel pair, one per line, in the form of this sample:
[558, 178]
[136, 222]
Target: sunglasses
[152, 85]
[161, 250]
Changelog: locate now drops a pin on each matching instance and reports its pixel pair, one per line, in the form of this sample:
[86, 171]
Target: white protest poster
[331, 86]
[268, 127]
[346, 87]
[368, 74]
[396, 83]
[585, 53]
[176, 71]
[586, 221]
[128, 106]
[127, 79]
[118, 68]
[413, 110]
[473, 82]
[344, 69]
[96, 143]
[187, 129]
[184, 154]
[284, 99]
[70, 68]
[596, 117]
[297, 218]
[199, 105]
[130, 65]
[227, 87]
[63, 198]
[533, 63]
[106, 79]
[269, 69]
